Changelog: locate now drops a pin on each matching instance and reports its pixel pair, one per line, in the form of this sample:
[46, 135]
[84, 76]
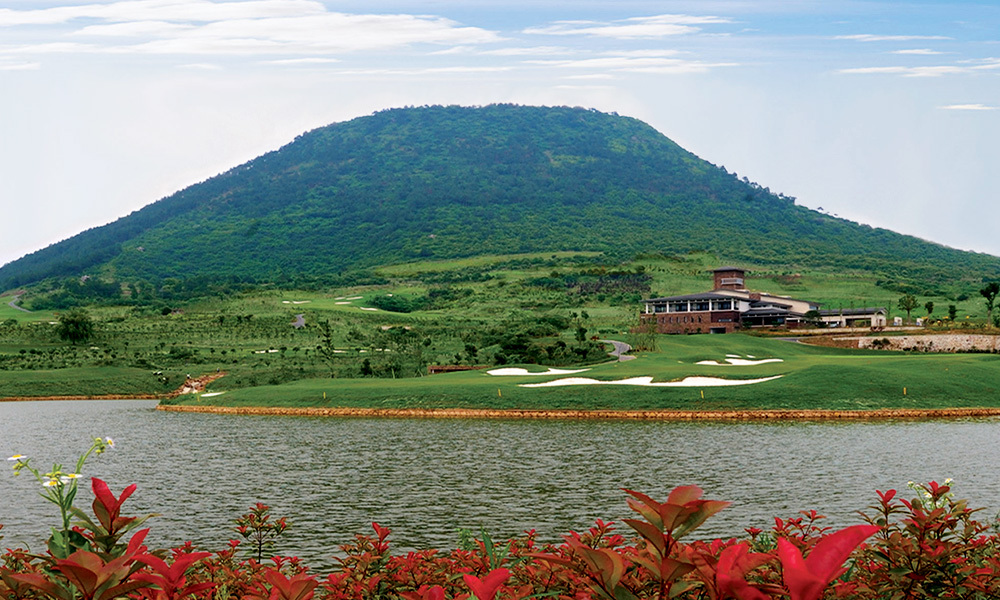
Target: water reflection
[425, 478]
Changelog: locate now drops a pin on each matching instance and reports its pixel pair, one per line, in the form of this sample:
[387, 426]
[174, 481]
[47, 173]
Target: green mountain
[444, 182]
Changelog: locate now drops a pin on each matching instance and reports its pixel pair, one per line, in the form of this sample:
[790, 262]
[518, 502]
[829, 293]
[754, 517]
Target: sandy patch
[272, 351]
[354, 298]
[739, 362]
[210, 394]
[341, 303]
[367, 308]
[520, 371]
[648, 382]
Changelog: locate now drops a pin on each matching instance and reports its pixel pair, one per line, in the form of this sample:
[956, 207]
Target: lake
[424, 478]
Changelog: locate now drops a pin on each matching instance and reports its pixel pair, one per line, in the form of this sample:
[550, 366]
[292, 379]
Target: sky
[885, 113]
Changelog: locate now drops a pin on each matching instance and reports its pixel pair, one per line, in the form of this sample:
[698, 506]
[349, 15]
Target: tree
[929, 307]
[952, 312]
[989, 292]
[75, 326]
[908, 303]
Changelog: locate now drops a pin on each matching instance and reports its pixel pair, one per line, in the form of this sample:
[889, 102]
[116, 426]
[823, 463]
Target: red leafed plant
[929, 546]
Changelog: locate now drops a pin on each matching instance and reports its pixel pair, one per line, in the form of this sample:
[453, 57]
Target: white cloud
[162, 10]
[301, 61]
[632, 28]
[425, 71]
[643, 53]
[906, 71]
[968, 107]
[235, 28]
[134, 29]
[967, 67]
[19, 66]
[917, 51]
[867, 37]
[636, 65]
[533, 50]
[200, 67]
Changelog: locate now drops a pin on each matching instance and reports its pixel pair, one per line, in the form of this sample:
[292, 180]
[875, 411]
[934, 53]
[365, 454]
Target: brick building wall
[694, 322]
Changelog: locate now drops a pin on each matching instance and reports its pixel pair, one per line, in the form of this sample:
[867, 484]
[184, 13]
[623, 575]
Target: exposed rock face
[950, 342]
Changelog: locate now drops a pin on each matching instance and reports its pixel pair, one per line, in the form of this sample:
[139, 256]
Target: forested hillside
[443, 182]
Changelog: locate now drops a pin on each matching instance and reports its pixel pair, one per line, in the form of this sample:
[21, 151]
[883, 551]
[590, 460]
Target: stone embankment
[651, 415]
[948, 342]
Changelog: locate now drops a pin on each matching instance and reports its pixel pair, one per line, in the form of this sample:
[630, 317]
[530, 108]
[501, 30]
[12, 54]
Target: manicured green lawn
[85, 381]
[812, 378]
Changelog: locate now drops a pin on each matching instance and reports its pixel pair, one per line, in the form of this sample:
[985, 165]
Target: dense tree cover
[443, 182]
[75, 326]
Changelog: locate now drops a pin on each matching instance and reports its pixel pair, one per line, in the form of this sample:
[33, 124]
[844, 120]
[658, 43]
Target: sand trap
[210, 394]
[739, 362]
[341, 303]
[732, 356]
[519, 371]
[367, 308]
[648, 382]
[354, 298]
[272, 351]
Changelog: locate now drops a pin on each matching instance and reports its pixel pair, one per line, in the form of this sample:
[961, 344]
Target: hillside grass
[251, 337]
[812, 378]
[81, 381]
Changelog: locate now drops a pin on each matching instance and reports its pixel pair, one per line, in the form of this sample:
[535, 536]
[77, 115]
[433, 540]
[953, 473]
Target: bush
[926, 547]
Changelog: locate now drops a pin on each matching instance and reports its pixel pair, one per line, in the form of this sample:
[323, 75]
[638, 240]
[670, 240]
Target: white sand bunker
[519, 371]
[367, 308]
[648, 382]
[296, 301]
[210, 394]
[341, 303]
[735, 361]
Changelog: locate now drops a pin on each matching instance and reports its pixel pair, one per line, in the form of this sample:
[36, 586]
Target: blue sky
[886, 113]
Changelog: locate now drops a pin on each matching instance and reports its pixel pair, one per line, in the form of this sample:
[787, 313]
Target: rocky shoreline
[650, 415]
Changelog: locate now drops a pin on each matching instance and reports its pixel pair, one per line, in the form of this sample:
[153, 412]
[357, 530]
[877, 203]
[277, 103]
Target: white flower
[110, 442]
[69, 477]
[18, 457]
[51, 483]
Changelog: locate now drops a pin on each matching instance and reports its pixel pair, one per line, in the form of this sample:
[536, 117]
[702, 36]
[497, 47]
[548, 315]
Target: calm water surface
[424, 478]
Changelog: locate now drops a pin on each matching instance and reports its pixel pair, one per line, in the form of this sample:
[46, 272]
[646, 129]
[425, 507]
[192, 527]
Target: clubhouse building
[730, 307]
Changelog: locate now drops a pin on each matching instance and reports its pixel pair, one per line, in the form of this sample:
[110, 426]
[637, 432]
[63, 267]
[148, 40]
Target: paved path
[300, 321]
[621, 348]
[13, 304]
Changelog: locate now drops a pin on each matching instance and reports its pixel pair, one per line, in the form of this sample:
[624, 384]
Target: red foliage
[927, 547]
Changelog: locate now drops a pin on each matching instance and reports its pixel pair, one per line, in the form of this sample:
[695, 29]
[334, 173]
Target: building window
[700, 306]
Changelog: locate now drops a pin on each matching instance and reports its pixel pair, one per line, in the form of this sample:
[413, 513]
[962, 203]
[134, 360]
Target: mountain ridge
[446, 182]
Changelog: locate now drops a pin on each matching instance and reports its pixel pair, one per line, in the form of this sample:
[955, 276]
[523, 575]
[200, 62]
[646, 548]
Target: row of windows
[686, 319]
[693, 306]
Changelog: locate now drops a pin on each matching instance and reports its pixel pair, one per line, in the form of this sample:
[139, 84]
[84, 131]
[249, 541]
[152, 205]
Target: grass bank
[811, 378]
[83, 382]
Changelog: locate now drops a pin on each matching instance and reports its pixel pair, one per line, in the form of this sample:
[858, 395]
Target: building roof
[851, 312]
[721, 269]
[716, 295]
